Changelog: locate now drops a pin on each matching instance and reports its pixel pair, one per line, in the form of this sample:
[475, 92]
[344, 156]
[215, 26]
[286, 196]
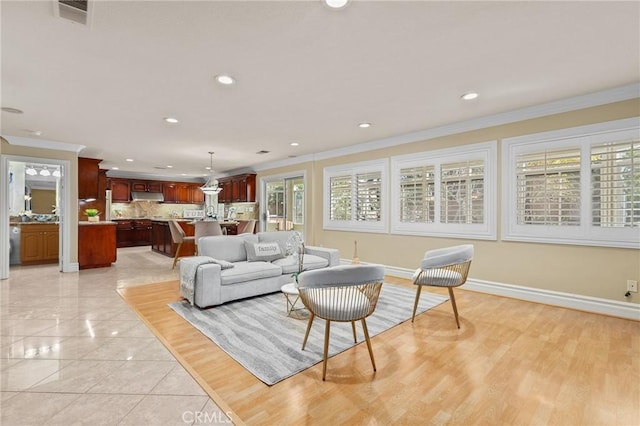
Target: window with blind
[355, 195]
[574, 186]
[449, 192]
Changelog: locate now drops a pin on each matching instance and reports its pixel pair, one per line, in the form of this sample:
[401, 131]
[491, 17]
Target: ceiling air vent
[74, 10]
[262, 151]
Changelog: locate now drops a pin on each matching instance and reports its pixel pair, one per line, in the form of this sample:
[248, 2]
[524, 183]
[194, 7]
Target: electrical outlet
[632, 285]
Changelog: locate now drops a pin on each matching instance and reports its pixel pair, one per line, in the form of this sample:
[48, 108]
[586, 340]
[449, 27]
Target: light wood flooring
[511, 363]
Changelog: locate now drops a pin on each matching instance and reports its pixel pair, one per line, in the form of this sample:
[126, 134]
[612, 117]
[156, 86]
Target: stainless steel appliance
[14, 245]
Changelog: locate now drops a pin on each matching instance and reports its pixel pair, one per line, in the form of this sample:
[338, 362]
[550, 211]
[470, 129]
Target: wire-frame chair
[446, 267]
[343, 293]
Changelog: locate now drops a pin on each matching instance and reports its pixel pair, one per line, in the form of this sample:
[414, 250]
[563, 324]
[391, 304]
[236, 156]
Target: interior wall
[71, 216]
[591, 271]
[43, 201]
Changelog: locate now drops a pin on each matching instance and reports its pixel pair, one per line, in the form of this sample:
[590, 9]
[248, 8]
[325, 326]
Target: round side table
[292, 296]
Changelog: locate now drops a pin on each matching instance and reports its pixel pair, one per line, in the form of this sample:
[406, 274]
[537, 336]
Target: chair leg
[453, 303]
[175, 259]
[306, 335]
[326, 349]
[353, 327]
[415, 305]
[366, 336]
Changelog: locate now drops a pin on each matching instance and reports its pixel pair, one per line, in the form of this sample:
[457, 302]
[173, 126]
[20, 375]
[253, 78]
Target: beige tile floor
[73, 352]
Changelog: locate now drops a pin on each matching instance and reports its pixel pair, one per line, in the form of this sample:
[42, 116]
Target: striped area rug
[259, 335]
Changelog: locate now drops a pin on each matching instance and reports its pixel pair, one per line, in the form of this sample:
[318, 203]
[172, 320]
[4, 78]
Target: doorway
[34, 189]
[283, 201]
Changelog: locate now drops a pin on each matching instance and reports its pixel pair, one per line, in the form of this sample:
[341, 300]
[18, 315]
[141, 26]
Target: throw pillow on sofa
[265, 252]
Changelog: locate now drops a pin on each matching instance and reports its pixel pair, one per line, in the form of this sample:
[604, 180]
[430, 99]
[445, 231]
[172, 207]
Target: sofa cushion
[225, 247]
[289, 264]
[280, 237]
[249, 271]
[265, 252]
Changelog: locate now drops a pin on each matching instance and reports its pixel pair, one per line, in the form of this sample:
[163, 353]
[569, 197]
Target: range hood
[154, 197]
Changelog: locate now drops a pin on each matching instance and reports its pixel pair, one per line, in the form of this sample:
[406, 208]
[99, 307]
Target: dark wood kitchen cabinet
[238, 189]
[88, 171]
[133, 232]
[120, 191]
[96, 245]
[161, 241]
[146, 186]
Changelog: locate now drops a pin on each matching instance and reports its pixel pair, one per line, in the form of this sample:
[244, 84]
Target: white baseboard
[549, 297]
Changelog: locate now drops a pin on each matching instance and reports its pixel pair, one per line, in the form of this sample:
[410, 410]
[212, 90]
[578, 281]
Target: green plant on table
[91, 212]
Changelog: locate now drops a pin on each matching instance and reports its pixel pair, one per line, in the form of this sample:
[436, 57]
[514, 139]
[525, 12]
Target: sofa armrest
[207, 285]
[332, 255]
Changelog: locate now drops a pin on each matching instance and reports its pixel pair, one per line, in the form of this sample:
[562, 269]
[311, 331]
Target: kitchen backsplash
[160, 210]
[150, 210]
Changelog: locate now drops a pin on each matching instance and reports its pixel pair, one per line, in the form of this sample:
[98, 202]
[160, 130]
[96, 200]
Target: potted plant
[92, 215]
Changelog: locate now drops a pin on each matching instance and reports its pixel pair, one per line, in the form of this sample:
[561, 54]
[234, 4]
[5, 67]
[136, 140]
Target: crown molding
[43, 144]
[618, 94]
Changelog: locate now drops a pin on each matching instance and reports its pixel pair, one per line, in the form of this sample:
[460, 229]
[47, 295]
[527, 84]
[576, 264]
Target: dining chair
[447, 267]
[206, 228]
[345, 293]
[179, 237]
[246, 226]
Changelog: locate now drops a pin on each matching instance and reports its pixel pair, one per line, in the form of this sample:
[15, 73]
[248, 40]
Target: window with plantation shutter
[368, 193]
[462, 192]
[548, 188]
[340, 198]
[574, 186]
[417, 192]
[446, 193]
[355, 195]
[615, 184]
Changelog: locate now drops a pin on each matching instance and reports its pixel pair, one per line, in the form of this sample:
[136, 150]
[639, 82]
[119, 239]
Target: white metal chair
[179, 237]
[343, 293]
[446, 267]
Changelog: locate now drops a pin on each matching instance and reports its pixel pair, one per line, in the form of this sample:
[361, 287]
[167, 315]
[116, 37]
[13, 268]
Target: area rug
[260, 336]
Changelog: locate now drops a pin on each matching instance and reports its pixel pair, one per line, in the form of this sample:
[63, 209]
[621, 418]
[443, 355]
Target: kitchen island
[96, 244]
[161, 241]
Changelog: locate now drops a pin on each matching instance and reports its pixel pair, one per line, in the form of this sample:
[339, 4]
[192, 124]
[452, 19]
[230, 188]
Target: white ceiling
[304, 73]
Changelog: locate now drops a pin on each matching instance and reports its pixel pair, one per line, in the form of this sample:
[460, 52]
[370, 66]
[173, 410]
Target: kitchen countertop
[102, 222]
[33, 223]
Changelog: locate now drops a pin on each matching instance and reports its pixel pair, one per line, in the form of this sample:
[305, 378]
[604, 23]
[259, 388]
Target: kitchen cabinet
[96, 245]
[169, 192]
[172, 192]
[39, 243]
[120, 191]
[161, 241]
[88, 170]
[133, 232]
[238, 189]
[146, 186]
[197, 196]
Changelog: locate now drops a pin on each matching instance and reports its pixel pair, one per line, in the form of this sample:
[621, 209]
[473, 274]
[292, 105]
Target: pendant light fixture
[211, 186]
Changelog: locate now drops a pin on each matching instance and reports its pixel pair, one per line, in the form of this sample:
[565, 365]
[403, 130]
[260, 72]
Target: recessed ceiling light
[115, 168]
[469, 96]
[294, 144]
[336, 4]
[169, 167]
[183, 174]
[171, 120]
[12, 110]
[225, 79]
[364, 125]
[130, 160]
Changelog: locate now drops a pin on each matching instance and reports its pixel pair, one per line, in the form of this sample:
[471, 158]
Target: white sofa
[217, 283]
